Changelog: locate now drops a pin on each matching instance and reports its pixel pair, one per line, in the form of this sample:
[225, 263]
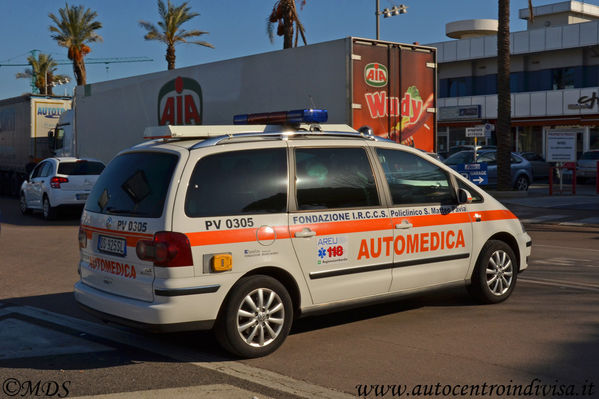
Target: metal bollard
[551, 180]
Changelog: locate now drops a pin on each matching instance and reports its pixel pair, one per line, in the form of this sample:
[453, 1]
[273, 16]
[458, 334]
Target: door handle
[404, 225]
[305, 233]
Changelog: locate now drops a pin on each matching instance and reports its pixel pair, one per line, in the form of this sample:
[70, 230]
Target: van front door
[338, 224]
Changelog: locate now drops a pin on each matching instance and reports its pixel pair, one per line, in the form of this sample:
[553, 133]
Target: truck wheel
[495, 274]
[256, 317]
[48, 211]
[23, 204]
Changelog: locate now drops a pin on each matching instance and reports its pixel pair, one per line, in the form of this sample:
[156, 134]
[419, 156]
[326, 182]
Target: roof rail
[286, 135]
[215, 134]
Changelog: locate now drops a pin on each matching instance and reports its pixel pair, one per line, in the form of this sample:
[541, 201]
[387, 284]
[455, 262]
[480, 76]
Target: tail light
[167, 249]
[56, 181]
[82, 238]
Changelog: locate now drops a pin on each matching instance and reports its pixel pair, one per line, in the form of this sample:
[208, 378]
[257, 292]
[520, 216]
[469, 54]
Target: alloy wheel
[260, 317]
[500, 273]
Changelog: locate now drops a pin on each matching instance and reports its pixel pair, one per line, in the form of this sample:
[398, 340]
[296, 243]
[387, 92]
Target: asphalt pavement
[564, 207]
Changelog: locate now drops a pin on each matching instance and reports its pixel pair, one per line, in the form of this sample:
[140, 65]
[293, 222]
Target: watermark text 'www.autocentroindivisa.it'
[536, 388]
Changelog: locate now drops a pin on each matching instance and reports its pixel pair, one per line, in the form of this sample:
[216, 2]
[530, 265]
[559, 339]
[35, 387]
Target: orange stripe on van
[321, 229]
[230, 236]
[502, 214]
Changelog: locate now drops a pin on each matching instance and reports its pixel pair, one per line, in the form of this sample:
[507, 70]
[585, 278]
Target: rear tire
[23, 204]
[48, 211]
[522, 183]
[495, 274]
[255, 318]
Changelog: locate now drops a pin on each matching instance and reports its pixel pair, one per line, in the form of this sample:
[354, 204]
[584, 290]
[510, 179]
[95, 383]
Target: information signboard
[560, 146]
[476, 131]
[475, 172]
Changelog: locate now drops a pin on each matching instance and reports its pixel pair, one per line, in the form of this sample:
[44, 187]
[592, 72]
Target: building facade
[554, 78]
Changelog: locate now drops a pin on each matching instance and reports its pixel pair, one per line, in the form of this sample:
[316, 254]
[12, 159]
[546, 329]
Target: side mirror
[464, 196]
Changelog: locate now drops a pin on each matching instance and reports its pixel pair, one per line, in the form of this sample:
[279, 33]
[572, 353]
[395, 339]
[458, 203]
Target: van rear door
[126, 205]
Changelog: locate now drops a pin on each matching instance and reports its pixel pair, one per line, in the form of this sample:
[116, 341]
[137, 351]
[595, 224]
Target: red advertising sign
[395, 87]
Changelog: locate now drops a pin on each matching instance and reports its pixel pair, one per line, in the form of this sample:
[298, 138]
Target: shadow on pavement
[10, 214]
[448, 297]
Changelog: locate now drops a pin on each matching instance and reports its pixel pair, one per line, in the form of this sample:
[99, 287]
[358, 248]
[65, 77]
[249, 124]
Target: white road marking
[200, 391]
[544, 218]
[561, 283]
[156, 345]
[568, 248]
[593, 220]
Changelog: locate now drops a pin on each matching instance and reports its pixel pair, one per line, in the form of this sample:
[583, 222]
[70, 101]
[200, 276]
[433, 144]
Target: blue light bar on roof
[283, 117]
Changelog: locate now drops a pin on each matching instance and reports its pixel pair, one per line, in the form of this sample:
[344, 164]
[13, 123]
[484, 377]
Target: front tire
[48, 210]
[256, 317]
[495, 274]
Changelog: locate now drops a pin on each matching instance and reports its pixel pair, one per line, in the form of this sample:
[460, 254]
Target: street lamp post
[386, 13]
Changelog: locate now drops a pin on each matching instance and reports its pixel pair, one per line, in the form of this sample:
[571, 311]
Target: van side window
[414, 180]
[238, 182]
[334, 178]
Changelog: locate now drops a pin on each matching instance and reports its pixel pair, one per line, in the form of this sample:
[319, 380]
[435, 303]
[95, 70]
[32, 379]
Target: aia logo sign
[376, 75]
[180, 102]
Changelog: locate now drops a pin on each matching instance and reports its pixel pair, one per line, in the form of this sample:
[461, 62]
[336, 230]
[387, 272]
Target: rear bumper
[154, 328]
[60, 197]
[165, 314]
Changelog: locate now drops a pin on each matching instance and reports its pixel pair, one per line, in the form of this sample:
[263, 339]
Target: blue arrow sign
[475, 172]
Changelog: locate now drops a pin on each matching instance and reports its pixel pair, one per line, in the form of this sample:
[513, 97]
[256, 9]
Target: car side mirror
[464, 196]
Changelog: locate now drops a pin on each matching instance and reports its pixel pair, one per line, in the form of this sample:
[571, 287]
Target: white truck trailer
[24, 125]
[390, 87]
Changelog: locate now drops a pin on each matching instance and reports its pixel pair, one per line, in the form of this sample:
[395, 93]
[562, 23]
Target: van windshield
[133, 184]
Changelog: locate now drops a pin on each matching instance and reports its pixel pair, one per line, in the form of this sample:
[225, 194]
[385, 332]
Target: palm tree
[504, 118]
[42, 73]
[73, 30]
[284, 13]
[168, 30]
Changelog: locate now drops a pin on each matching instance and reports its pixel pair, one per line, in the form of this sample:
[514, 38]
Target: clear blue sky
[236, 28]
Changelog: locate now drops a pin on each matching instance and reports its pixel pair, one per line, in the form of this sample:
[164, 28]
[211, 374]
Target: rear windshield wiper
[116, 211]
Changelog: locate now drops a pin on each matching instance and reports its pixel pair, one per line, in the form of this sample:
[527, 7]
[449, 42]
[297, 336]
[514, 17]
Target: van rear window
[133, 184]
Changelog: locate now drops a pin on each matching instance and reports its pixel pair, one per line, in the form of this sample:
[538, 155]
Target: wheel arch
[279, 274]
[510, 240]
[285, 278]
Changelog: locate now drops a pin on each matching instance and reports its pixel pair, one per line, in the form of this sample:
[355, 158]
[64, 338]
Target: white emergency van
[245, 228]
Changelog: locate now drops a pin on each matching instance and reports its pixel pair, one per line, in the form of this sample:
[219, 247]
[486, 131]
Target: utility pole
[386, 13]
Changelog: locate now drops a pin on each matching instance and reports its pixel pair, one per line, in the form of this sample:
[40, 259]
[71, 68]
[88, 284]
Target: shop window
[459, 87]
[563, 78]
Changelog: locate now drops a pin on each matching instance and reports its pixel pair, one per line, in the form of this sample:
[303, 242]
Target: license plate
[81, 197]
[111, 245]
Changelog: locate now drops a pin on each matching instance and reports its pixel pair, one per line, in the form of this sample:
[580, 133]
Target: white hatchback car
[59, 182]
